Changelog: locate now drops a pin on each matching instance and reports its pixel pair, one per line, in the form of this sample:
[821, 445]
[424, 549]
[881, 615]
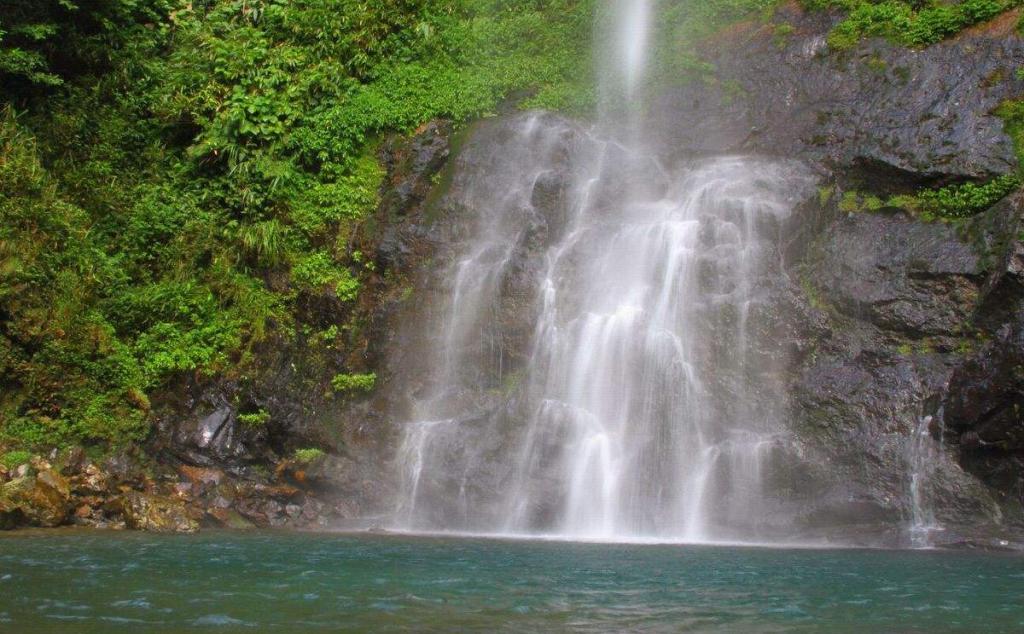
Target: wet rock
[411, 165]
[40, 500]
[73, 460]
[91, 480]
[124, 468]
[900, 274]
[276, 491]
[201, 475]
[919, 322]
[229, 518]
[156, 514]
[311, 510]
[882, 113]
[984, 410]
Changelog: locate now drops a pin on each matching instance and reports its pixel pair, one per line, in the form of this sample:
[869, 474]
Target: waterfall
[923, 455]
[643, 405]
[624, 65]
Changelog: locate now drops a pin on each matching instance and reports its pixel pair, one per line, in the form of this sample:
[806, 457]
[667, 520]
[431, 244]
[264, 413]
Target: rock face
[903, 306]
[891, 325]
[895, 114]
[201, 424]
[894, 322]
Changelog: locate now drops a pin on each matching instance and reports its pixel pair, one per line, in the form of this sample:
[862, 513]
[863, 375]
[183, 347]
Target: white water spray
[633, 20]
[923, 455]
[643, 409]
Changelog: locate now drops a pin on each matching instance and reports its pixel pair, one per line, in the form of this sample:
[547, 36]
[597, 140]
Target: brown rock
[278, 491]
[229, 518]
[73, 461]
[156, 514]
[201, 475]
[91, 481]
[42, 500]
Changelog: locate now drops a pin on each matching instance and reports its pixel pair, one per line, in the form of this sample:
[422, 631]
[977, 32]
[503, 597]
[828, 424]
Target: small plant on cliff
[318, 270]
[12, 459]
[308, 456]
[353, 383]
[1012, 114]
[957, 201]
[256, 419]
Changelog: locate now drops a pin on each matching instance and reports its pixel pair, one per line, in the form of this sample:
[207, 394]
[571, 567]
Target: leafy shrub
[255, 420]
[16, 458]
[353, 383]
[188, 156]
[949, 203]
[968, 199]
[915, 24]
[307, 456]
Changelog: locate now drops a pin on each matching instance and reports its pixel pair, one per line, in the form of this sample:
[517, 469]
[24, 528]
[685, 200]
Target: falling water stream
[924, 453]
[633, 415]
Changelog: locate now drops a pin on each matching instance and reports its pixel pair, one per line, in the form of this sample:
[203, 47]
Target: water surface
[284, 582]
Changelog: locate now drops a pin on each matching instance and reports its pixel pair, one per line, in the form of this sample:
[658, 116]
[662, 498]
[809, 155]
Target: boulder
[157, 514]
[229, 518]
[40, 500]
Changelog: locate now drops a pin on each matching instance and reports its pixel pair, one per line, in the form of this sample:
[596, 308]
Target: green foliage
[255, 420]
[956, 201]
[856, 202]
[16, 458]
[947, 203]
[914, 24]
[318, 271]
[1012, 114]
[353, 383]
[307, 456]
[188, 157]
[43, 43]
[683, 25]
[965, 200]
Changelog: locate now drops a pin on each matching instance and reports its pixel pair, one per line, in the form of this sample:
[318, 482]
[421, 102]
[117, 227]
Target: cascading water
[642, 407]
[924, 453]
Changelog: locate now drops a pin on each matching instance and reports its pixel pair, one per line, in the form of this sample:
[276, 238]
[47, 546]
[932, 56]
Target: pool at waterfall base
[73, 581]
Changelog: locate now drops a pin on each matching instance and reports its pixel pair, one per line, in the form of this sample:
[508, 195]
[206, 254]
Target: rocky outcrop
[39, 499]
[156, 514]
[912, 315]
[203, 424]
[880, 112]
[132, 491]
[888, 320]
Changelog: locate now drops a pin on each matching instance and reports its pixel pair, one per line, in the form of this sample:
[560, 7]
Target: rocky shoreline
[123, 491]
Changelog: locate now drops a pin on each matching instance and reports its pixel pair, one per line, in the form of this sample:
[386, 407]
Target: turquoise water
[287, 582]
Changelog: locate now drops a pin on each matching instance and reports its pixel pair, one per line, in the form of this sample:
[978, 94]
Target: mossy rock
[156, 514]
[40, 500]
